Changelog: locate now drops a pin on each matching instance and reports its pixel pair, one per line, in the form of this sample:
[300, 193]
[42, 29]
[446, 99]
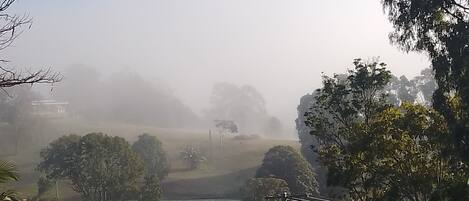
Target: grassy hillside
[227, 169]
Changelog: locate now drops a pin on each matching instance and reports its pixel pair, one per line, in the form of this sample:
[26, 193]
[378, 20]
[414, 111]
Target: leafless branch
[9, 77]
[460, 5]
[5, 4]
[10, 24]
[9, 30]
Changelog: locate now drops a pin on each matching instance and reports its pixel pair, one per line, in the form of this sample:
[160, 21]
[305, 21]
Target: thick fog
[185, 48]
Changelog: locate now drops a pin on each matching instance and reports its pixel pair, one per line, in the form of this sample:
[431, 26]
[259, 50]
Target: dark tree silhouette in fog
[155, 158]
[244, 105]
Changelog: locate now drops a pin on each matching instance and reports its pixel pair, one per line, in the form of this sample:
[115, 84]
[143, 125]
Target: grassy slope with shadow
[220, 186]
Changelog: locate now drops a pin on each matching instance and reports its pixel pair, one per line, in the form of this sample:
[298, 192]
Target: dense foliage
[416, 90]
[151, 190]
[151, 151]
[398, 90]
[99, 166]
[257, 189]
[376, 150]
[440, 28]
[284, 162]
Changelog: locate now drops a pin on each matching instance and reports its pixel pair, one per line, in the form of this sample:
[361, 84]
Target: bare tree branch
[460, 5]
[10, 29]
[9, 78]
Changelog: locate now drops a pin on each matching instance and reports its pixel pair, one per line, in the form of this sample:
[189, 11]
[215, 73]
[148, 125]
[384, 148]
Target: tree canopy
[100, 167]
[376, 150]
[155, 158]
[151, 190]
[284, 162]
[257, 189]
[439, 28]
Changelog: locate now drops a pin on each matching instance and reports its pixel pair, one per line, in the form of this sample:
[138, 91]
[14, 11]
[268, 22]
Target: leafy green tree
[440, 29]
[398, 158]
[344, 102]
[155, 158]
[151, 190]
[100, 167]
[397, 91]
[257, 189]
[192, 156]
[374, 150]
[284, 162]
[405, 154]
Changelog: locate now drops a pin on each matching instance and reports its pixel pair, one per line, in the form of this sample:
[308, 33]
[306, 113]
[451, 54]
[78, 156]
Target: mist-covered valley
[243, 100]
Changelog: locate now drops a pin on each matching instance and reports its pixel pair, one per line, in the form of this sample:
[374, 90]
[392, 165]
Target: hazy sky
[279, 47]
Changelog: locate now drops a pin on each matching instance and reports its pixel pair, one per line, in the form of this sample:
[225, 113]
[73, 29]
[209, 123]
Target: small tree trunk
[57, 189]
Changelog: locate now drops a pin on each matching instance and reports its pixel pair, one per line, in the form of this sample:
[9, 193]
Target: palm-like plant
[192, 156]
[8, 173]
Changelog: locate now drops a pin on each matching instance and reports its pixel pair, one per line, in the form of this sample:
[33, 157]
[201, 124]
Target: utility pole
[57, 189]
[210, 145]
[221, 141]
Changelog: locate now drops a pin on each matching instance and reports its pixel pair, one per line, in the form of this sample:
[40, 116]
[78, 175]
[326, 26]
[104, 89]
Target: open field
[227, 169]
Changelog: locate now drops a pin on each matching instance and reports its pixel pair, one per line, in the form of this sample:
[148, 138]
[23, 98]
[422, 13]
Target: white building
[49, 108]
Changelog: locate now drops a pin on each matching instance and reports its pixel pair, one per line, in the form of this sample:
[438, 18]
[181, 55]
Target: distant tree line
[123, 97]
[245, 106]
[129, 98]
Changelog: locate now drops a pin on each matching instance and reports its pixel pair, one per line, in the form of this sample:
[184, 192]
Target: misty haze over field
[185, 47]
[234, 100]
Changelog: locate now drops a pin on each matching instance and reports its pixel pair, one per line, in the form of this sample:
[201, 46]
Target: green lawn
[227, 169]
